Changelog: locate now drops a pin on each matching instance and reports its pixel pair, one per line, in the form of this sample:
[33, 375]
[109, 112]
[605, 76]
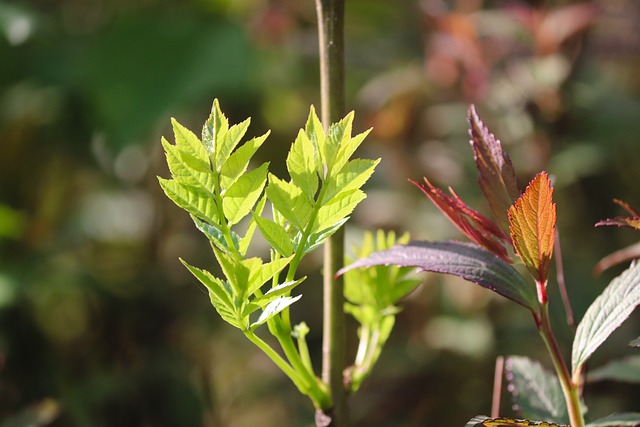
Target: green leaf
[289, 200]
[536, 392]
[465, 260]
[261, 273]
[213, 132]
[315, 133]
[191, 199]
[605, 315]
[246, 240]
[188, 170]
[337, 134]
[617, 420]
[238, 200]
[347, 148]
[351, 177]
[623, 370]
[237, 273]
[273, 308]
[318, 238]
[484, 421]
[231, 139]
[215, 235]
[220, 297]
[276, 235]
[238, 162]
[188, 142]
[338, 208]
[301, 165]
[635, 343]
[283, 289]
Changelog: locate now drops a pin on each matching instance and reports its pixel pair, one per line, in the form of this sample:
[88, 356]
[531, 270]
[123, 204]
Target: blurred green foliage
[99, 323]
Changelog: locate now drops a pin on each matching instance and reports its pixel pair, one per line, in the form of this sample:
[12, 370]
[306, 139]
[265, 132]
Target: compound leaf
[606, 314]
[464, 260]
[352, 176]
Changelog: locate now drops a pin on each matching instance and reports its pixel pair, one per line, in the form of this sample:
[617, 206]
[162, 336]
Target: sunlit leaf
[606, 314]
[246, 240]
[338, 208]
[623, 370]
[301, 165]
[276, 235]
[533, 226]
[188, 170]
[464, 260]
[221, 299]
[495, 171]
[260, 273]
[623, 419]
[337, 134]
[215, 235]
[190, 199]
[240, 198]
[238, 162]
[347, 148]
[276, 292]
[213, 132]
[290, 201]
[273, 308]
[536, 391]
[472, 223]
[231, 139]
[188, 142]
[316, 134]
[484, 421]
[352, 176]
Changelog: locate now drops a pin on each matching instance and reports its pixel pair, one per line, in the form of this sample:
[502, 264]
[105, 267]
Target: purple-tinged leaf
[472, 223]
[464, 260]
[495, 171]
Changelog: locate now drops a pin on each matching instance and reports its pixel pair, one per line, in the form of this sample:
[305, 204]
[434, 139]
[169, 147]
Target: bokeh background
[100, 325]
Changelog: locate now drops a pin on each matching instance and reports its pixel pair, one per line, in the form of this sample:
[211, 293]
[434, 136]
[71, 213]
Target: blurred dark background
[100, 325]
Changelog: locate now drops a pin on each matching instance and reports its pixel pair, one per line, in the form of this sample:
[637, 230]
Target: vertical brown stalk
[331, 42]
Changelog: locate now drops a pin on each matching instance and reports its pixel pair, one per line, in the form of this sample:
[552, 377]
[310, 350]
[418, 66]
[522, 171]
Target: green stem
[569, 388]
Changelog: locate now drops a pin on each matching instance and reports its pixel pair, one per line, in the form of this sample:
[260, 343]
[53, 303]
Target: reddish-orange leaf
[533, 226]
[472, 223]
[495, 171]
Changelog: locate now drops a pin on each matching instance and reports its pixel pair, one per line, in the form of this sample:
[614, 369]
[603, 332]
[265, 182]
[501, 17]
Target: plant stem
[569, 389]
[331, 48]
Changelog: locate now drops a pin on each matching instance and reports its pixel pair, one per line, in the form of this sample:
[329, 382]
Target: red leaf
[633, 221]
[495, 170]
[472, 223]
[533, 227]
